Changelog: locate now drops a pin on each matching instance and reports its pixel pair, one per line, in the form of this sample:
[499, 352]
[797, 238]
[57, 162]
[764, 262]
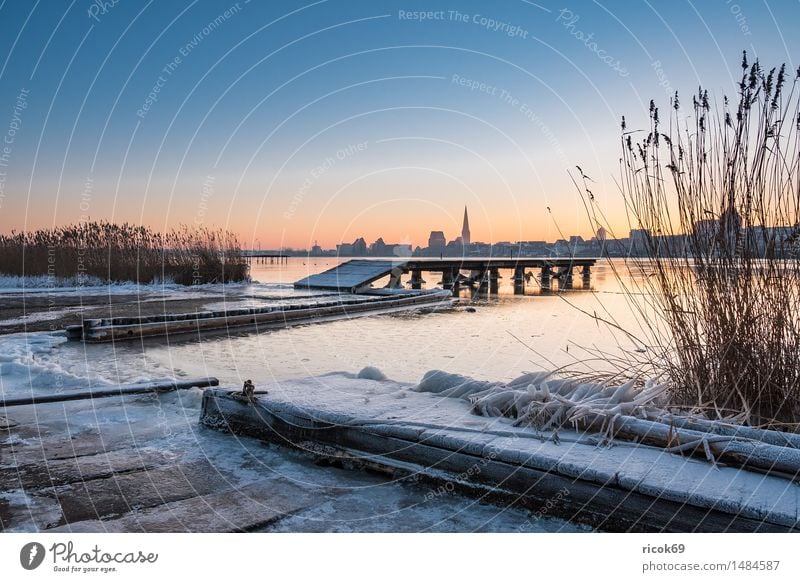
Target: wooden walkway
[618, 488]
[352, 276]
[147, 467]
[357, 275]
[136, 328]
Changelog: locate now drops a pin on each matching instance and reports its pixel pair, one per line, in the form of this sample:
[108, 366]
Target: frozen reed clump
[92, 251]
[714, 198]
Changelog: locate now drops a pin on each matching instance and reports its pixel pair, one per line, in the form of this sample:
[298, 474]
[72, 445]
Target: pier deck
[145, 467]
[350, 277]
[357, 275]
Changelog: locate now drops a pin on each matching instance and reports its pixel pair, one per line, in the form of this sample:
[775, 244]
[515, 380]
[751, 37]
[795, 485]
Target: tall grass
[718, 292]
[124, 252]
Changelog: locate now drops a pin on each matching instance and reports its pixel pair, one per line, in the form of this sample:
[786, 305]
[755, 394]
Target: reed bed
[716, 199]
[117, 253]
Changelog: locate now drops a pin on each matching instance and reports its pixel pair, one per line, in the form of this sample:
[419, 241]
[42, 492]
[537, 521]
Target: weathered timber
[55, 472]
[6, 423]
[350, 276]
[87, 444]
[624, 500]
[123, 390]
[121, 493]
[739, 451]
[772, 437]
[241, 509]
[136, 328]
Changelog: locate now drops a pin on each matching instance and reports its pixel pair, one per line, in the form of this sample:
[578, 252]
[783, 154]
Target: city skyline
[325, 122]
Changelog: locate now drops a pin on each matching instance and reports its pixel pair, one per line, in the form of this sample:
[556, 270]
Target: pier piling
[547, 275]
[587, 276]
[494, 276]
[416, 279]
[519, 280]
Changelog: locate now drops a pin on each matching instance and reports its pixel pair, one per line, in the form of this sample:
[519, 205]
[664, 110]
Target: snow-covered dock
[325, 307]
[357, 275]
[351, 276]
[374, 422]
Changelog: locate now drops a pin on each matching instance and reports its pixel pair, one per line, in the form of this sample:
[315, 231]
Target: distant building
[436, 242]
[399, 250]
[359, 247]
[378, 248]
[316, 250]
[601, 235]
[466, 239]
[640, 239]
[704, 232]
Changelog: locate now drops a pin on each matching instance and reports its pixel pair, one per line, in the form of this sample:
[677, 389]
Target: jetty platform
[288, 313]
[371, 422]
[357, 275]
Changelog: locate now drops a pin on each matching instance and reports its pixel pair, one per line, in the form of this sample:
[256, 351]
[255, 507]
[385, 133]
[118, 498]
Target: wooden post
[416, 279]
[566, 277]
[587, 276]
[519, 280]
[494, 275]
[107, 392]
[547, 274]
[483, 282]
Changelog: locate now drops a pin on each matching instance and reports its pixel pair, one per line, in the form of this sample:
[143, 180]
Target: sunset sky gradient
[293, 122]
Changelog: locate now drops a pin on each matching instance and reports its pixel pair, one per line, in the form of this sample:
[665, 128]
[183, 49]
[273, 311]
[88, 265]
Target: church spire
[465, 238]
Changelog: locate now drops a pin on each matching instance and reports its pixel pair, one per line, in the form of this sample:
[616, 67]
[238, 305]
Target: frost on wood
[545, 402]
[628, 412]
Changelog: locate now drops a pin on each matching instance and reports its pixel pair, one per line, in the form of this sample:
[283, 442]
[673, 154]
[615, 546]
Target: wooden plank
[82, 444]
[122, 390]
[239, 509]
[120, 494]
[34, 476]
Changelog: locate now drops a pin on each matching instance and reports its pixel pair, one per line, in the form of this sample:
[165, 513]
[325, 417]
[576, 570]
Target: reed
[124, 252]
[716, 198]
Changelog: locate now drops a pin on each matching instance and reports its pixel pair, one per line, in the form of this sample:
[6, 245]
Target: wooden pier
[359, 422]
[136, 328]
[263, 257]
[483, 273]
[64, 471]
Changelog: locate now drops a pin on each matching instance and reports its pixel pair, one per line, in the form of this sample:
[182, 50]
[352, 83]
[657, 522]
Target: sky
[295, 122]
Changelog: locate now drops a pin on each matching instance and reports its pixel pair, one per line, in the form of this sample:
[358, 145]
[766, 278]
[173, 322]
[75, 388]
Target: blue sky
[290, 122]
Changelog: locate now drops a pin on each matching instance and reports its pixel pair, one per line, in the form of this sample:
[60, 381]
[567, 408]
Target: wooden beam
[122, 390]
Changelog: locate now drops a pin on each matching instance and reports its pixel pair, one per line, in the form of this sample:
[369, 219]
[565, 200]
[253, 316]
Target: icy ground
[347, 500]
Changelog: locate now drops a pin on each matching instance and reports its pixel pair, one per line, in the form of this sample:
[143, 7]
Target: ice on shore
[31, 363]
